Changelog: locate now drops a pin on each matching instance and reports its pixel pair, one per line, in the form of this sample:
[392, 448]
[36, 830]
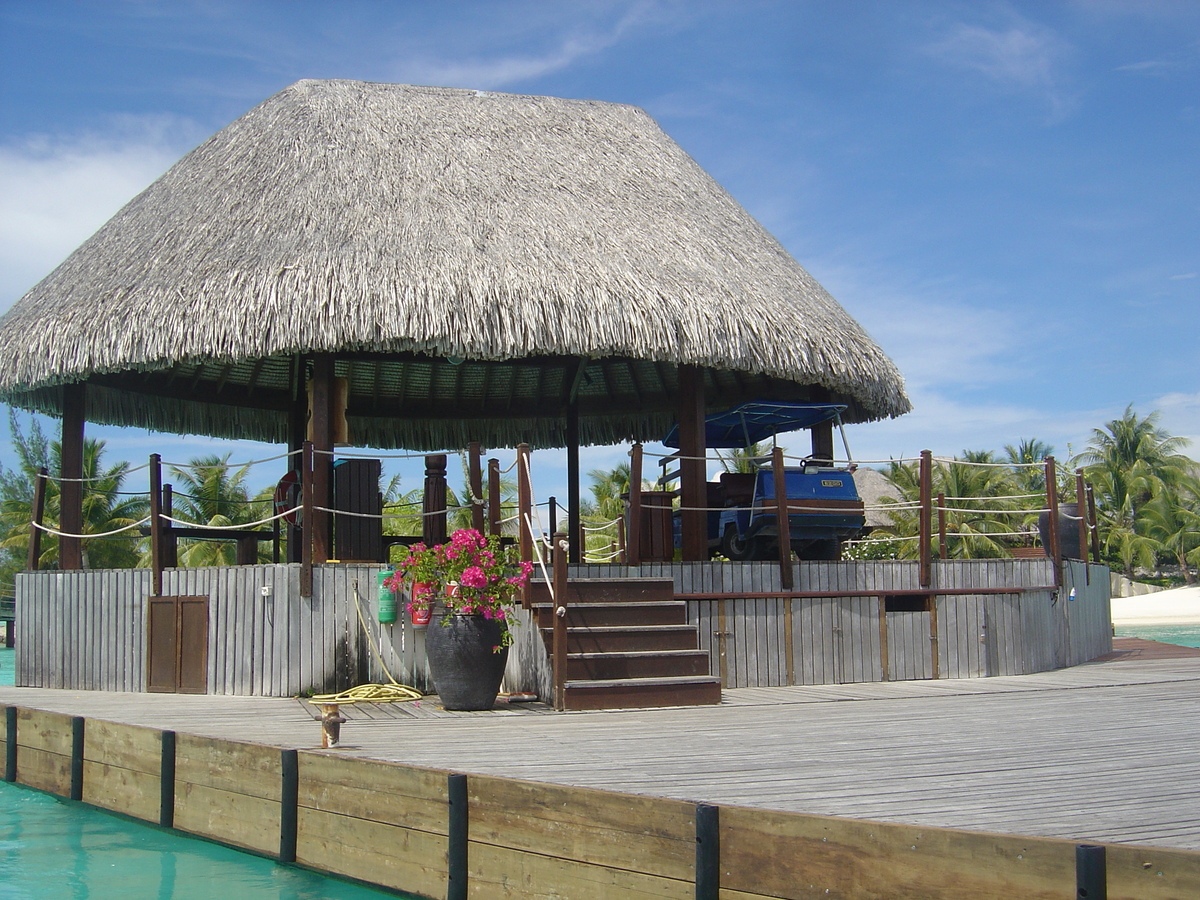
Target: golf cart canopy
[758, 420]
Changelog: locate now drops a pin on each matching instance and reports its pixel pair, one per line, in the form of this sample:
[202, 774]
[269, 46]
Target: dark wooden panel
[163, 646]
[193, 645]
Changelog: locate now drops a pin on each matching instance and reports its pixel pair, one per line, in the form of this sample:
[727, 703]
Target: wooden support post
[633, 537]
[622, 548]
[934, 649]
[1054, 551]
[457, 836]
[559, 655]
[166, 780]
[320, 526]
[1081, 508]
[552, 513]
[433, 507]
[156, 525]
[297, 431]
[78, 726]
[70, 492]
[783, 519]
[493, 496]
[1094, 526]
[10, 743]
[289, 802]
[822, 443]
[475, 477]
[883, 640]
[574, 521]
[306, 503]
[942, 549]
[38, 517]
[708, 852]
[926, 518]
[693, 476]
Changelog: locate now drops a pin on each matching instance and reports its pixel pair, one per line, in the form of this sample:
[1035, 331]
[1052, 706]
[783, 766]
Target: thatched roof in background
[875, 489]
[560, 248]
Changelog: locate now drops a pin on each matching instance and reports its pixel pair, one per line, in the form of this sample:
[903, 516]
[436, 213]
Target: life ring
[287, 497]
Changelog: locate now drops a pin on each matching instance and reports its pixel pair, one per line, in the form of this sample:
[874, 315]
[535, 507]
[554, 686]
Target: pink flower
[473, 577]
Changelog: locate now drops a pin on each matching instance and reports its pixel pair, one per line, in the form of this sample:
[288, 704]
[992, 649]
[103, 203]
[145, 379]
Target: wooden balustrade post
[156, 523]
[1081, 509]
[633, 539]
[1054, 551]
[524, 514]
[170, 543]
[1094, 526]
[560, 558]
[39, 514]
[305, 529]
[942, 549]
[475, 477]
[783, 521]
[433, 506]
[926, 518]
[495, 526]
[621, 548]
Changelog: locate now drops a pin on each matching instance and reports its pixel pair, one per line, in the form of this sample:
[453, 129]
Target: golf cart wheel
[734, 547]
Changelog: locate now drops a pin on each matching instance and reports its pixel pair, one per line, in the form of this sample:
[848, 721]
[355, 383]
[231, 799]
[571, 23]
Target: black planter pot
[1068, 530]
[466, 669]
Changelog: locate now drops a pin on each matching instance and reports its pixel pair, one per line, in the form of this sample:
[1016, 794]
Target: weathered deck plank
[1099, 752]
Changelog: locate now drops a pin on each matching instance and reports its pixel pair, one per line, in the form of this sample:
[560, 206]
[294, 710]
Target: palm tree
[746, 459]
[1172, 522]
[1028, 459]
[105, 507]
[1130, 462]
[209, 492]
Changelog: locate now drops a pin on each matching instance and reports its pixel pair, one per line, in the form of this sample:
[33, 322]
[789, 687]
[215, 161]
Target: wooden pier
[1103, 752]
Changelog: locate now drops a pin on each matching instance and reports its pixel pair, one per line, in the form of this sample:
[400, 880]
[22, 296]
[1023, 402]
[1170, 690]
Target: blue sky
[1005, 194]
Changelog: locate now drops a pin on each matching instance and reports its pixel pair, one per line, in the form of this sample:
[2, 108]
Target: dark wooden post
[1082, 511]
[170, 543]
[156, 525]
[524, 504]
[633, 540]
[475, 476]
[622, 545]
[941, 500]
[1094, 526]
[306, 512]
[320, 526]
[822, 443]
[692, 470]
[560, 557]
[70, 492]
[782, 518]
[494, 515]
[433, 522]
[1054, 551]
[574, 521]
[39, 514]
[297, 431]
[926, 518]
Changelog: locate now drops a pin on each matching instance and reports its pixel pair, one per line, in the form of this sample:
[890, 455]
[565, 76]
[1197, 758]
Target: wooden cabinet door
[177, 652]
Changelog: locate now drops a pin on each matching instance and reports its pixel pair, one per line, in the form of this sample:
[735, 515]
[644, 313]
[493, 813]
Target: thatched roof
[560, 248]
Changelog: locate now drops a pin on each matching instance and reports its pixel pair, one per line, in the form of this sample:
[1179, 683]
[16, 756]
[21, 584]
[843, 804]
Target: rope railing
[224, 465]
[989, 512]
[87, 479]
[241, 526]
[599, 526]
[99, 534]
[950, 460]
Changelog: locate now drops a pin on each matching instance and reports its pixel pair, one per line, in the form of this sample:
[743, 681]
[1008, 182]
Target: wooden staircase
[629, 645]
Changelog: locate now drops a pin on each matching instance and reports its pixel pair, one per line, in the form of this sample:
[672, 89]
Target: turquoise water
[7, 661]
[1184, 635]
[52, 849]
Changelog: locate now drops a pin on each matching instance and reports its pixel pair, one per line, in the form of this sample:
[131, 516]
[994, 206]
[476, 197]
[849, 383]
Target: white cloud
[1024, 57]
[55, 192]
[484, 73]
[1181, 416]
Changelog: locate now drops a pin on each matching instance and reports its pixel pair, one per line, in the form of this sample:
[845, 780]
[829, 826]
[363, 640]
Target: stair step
[655, 612]
[622, 638]
[643, 693]
[637, 664]
[607, 590]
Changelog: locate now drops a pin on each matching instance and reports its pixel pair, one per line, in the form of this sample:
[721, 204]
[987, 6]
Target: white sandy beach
[1180, 606]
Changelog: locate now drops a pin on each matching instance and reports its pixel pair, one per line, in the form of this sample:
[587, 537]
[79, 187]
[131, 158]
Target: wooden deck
[1103, 752]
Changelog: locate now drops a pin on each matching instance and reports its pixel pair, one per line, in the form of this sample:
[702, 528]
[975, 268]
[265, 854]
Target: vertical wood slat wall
[85, 630]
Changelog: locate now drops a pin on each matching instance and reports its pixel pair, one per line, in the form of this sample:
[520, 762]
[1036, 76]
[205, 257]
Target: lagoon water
[52, 849]
[1183, 635]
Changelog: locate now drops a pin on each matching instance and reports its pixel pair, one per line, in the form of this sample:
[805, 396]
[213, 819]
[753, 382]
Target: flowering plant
[469, 575]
